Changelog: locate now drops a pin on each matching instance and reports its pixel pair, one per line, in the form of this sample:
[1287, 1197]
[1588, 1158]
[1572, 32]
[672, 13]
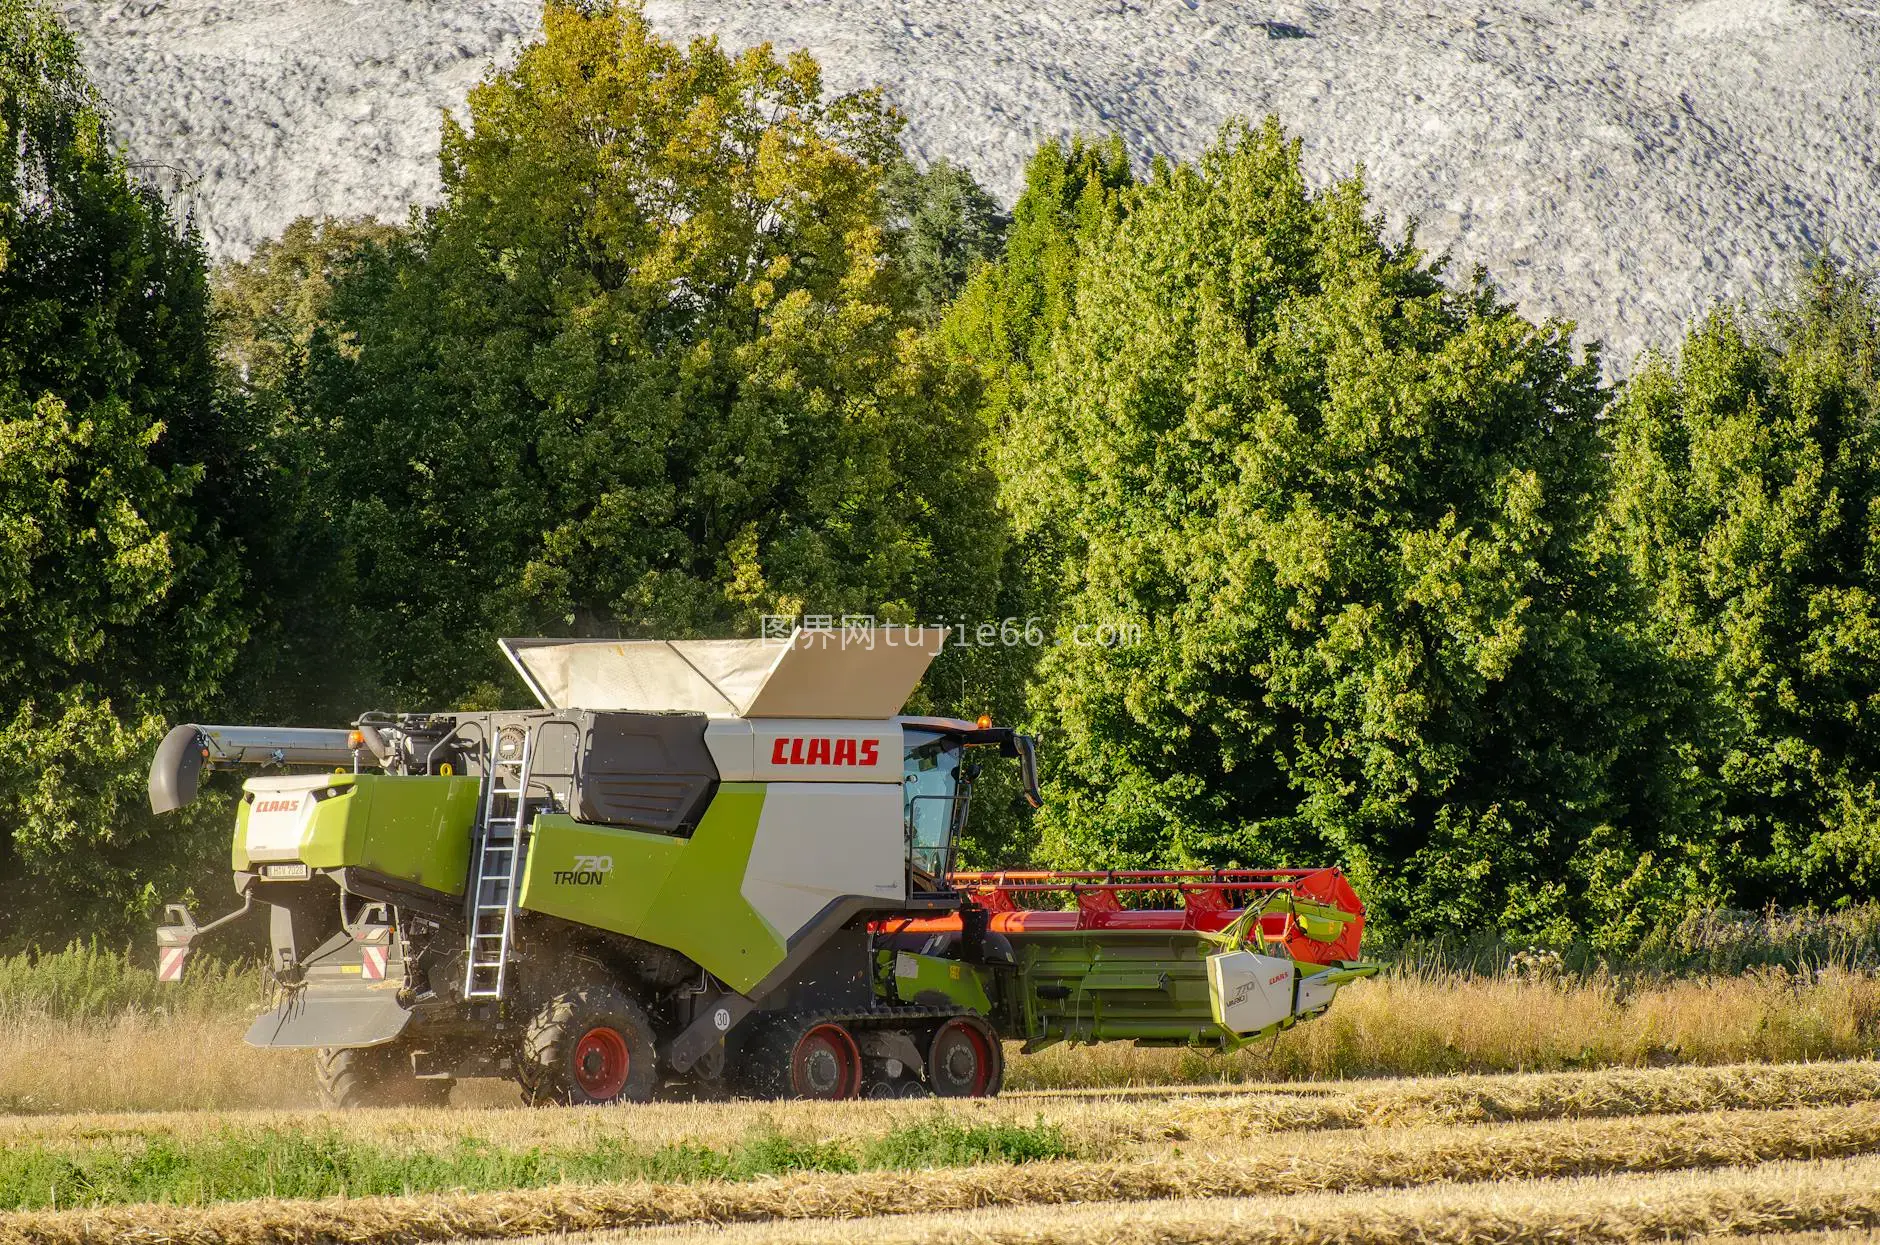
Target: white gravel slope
[1620, 164]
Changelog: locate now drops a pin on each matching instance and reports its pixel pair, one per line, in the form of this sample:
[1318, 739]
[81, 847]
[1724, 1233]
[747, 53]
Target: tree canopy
[1345, 506]
[119, 602]
[649, 368]
[1747, 497]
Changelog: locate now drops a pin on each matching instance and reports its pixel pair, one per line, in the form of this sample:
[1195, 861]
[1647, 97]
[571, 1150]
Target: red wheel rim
[958, 1042]
[826, 1064]
[601, 1063]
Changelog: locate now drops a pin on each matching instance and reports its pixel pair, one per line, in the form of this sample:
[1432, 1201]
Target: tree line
[1406, 584]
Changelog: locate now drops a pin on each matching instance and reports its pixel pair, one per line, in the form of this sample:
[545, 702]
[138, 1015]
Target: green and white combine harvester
[712, 866]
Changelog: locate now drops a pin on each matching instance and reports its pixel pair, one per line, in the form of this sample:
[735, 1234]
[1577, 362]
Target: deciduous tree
[1346, 507]
[1748, 499]
[119, 598]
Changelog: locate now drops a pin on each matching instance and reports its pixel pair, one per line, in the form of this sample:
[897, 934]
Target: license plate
[285, 872]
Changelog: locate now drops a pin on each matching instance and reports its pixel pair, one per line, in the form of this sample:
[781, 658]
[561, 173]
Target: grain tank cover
[851, 673]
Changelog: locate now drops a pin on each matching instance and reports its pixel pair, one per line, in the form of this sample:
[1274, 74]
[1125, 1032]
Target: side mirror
[972, 772]
[176, 769]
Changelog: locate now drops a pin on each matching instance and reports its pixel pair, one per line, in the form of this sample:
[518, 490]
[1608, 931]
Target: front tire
[350, 1077]
[587, 1047]
[803, 1057]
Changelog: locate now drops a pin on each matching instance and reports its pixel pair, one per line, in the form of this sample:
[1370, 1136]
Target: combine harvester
[729, 871]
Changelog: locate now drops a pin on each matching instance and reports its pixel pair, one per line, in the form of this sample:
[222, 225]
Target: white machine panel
[820, 750]
[277, 819]
[733, 750]
[1316, 991]
[1250, 991]
[817, 842]
[804, 750]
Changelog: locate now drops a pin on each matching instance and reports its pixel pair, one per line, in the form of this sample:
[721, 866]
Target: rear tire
[965, 1059]
[587, 1047]
[374, 1076]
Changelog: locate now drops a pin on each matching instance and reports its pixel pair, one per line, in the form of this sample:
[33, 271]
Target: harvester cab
[709, 866]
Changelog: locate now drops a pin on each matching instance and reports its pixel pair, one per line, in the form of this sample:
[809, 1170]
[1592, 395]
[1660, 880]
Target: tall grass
[84, 1029]
[1713, 942]
[89, 982]
[1424, 1023]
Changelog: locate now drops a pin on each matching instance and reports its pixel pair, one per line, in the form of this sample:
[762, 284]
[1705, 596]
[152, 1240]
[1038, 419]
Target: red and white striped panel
[170, 963]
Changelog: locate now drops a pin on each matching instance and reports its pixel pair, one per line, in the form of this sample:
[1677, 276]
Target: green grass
[326, 1163]
[88, 982]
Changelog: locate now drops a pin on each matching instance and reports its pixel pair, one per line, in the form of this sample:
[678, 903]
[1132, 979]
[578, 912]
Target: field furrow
[1343, 1162]
[1105, 1122]
[1768, 1199]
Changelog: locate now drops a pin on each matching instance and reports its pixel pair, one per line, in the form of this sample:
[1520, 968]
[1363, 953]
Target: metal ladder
[499, 870]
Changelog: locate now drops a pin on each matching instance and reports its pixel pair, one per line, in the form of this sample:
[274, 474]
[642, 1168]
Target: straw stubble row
[1371, 1159]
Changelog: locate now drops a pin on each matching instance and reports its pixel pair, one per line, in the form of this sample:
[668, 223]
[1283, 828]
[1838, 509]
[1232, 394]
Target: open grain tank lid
[851, 673]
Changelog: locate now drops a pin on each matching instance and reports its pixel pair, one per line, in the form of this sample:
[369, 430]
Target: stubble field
[1424, 1108]
[1614, 1155]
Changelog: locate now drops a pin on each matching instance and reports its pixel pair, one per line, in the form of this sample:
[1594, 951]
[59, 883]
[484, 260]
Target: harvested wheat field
[1613, 1155]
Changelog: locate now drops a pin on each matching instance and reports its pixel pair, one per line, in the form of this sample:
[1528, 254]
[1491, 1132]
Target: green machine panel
[683, 893]
[414, 829]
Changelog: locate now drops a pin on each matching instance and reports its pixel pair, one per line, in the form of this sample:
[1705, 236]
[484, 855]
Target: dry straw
[1778, 1198]
[1113, 1124]
[1400, 1026]
[1363, 1160]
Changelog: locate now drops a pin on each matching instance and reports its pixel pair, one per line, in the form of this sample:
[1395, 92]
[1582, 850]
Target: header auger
[712, 867]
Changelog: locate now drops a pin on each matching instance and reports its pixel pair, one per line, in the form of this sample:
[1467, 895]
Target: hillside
[1619, 163]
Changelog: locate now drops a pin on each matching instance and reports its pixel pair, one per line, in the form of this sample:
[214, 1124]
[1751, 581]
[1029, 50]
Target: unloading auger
[712, 866]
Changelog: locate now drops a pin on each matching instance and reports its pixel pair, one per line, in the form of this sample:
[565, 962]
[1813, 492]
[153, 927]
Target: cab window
[931, 791]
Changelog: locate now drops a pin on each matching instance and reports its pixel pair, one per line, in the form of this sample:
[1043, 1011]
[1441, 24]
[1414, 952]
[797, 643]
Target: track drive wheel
[374, 1076]
[965, 1059]
[588, 1046]
[803, 1058]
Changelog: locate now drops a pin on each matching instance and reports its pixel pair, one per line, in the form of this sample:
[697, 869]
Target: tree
[943, 225]
[1332, 516]
[119, 603]
[305, 661]
[1008, 312]
[1748, 497]
[648, 369]
[1002, 326]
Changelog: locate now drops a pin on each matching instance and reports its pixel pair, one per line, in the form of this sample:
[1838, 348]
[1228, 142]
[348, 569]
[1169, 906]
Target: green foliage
[1008, 314]
[305, 662]
[1747, 498]
[944, 225]
[1347, 507]
[238, 1166]
[944, 1140]
[1001, 326]
[648, 370]
[86, 982]
[118, 598]
[1699, 943]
